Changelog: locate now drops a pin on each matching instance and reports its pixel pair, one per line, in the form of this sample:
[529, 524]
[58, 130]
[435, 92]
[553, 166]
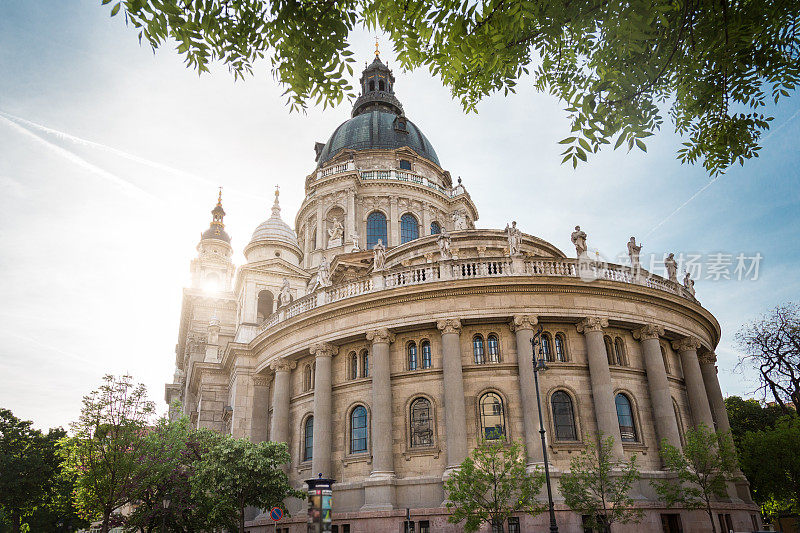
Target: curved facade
[383, 370]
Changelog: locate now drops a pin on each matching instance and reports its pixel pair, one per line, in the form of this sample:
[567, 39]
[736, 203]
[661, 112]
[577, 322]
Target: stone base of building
[742, 517]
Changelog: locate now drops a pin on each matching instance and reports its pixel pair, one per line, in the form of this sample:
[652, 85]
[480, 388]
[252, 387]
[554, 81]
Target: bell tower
[212, 269]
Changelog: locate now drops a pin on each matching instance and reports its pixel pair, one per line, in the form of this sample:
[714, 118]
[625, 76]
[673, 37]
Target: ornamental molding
[283, 365]
[592, 323]
[707, 358]
[523, 322]
[648, 331]
[323, 349]
[383, 335]
[686, 344]
[449, 325]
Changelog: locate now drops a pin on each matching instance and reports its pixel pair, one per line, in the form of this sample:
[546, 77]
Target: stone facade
[405, 368]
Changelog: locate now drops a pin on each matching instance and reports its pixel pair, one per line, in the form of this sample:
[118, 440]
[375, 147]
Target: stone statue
[443, 240]
[688, 283]
[323, 274]
[335, 232]
[633, 253]
[514, 239]
[285, 295]
[354, 238]
[579, 240]
[378, 256]
[672, 268]
[459, 220]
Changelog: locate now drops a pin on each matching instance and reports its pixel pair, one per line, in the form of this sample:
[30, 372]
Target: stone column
[522, 326]
[379, 490]
[350, 216]
[426, 220]
[695, 387]
[709, 370]
[600, 377]
[321, 460]
[658, 385]
[320, 225]
[281, 392]
[258, 429]
[455, 419]
[393, 222]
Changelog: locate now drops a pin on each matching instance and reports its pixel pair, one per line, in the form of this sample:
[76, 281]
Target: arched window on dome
[547, 347]
[264, 306]
[421, 423]
[308, 439]
[376, 229]
[478, 349]
[563, 416]
[627, 425]
[493, 348]
[381, 85]
[492, 415]
[371, 85]
[412, 355]
[365, 363]
[409, 228]
[358, 430]
[353, 365]
[609, 349]
[425, 347]
[561, 348]
[619, 351]
[436, 229]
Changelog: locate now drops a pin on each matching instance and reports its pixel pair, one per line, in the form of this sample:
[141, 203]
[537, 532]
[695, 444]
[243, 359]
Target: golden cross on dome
[219, 198]
[377, 52]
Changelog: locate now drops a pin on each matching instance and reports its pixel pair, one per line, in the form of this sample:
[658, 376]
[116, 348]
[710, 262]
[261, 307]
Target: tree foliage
[699, 472]
[597, 486]
[618, 67]
[491, 485]
[772, 346]
[750, 415]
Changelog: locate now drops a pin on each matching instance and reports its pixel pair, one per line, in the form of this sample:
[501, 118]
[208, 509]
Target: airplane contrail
[81, 162]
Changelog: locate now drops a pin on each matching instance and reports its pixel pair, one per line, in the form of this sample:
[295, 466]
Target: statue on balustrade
[579, 240]
[443, 240]
[378, 256]
[323, 274]
[672, 267]
[285, 296]
[514, 239]
[688, 283]
[633, 253]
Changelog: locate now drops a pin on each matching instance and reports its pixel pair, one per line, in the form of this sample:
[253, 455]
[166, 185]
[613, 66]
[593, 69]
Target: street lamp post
[539, 365]
[165, 502]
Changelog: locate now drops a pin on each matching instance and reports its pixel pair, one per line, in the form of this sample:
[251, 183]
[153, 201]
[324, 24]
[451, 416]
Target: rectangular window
[513, 525]
[671, 523]
[405, 164]
[424, 526]
[345, 528]
[408, 526]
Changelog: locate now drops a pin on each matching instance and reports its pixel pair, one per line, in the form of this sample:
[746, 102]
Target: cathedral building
[386, 334]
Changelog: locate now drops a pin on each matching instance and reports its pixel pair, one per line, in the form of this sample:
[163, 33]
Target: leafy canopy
[618, 66]
[597, 486]
[491, 485]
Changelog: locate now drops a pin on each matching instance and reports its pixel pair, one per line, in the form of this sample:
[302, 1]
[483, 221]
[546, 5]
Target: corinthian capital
[707, 358]
[450, 325]
[592, 323]
[382, 335]
[686, 344]
[522, 322]
[282, 365]
[323, 349]
[648, 331]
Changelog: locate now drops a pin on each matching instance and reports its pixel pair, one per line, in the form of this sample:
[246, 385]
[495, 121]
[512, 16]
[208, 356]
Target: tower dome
[378, 120]
[274, 234]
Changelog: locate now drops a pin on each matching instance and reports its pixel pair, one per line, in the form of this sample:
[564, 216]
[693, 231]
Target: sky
[111, 155]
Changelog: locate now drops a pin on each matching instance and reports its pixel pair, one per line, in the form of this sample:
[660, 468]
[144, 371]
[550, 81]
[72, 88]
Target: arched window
[307, 378]
[365, 364]
[478, 350]
[664, 357]
[380, 85]
[619, 350]
[376, 229]
[547, 347]
[609, 349]
[358, 430]
[265, 300]
[427, 361]
[412, 356]
[561, 348]
[563, 416]
[409, 228]
[436, 229]
[308, 439]
[493, 422]
[421, 423]
[353, 365]
[493, 348]
[371, 85]
[627, 426]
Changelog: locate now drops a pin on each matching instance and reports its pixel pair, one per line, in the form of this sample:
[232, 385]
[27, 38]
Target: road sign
[276, 513]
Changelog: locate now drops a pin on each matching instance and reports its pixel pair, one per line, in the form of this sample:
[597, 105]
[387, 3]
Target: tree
[107, 446]
[596, 486]
[775, 482]
[29, 463]
[750, 415]
[616, 66]
[699, 472]
[235, 473]
[772, 346]
[491, 485]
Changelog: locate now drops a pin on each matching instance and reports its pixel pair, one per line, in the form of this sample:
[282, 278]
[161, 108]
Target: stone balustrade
[461, 269]
[390, 174]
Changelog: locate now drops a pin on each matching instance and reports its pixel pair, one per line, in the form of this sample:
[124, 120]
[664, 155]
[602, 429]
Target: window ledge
[635, 446]
[360, 457]
[567, 446]
[434, 451]
[304, 466]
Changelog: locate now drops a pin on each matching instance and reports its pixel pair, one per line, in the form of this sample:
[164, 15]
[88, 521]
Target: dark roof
[377, 129]
[216, 232]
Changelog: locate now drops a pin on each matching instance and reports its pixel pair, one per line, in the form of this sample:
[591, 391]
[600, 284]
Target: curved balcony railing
[458, 269]
[390, 174]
